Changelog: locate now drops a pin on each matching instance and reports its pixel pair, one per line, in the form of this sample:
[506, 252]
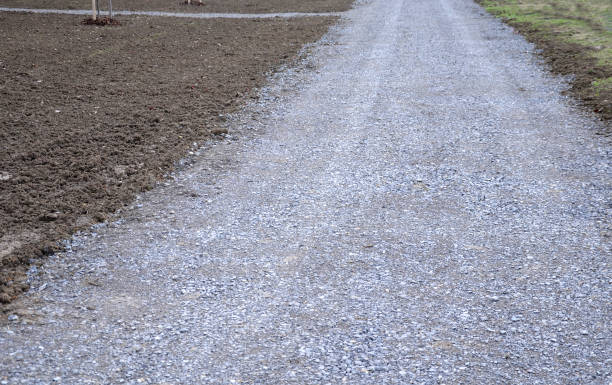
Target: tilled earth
[222, 6]
[422, 206]
[90, 116]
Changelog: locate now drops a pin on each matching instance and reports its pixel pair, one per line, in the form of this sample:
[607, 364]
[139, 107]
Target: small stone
[120, 170]
[50, 217]
[584, 332]
[13, 317]
[219, 131]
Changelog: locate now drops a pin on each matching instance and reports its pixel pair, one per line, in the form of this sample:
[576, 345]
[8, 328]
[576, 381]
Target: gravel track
[175, 14]
[417, 204]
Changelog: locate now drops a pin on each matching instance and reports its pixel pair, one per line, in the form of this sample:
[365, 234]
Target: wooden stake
[93, 8]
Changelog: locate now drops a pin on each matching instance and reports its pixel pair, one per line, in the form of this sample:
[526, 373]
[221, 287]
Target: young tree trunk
[93, 10]
[110, 9]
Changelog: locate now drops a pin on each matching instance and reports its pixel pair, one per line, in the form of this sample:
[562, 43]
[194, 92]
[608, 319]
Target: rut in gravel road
[418, 205]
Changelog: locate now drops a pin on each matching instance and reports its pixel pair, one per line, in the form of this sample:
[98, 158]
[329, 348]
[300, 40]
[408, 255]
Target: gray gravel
[418, 203]
[192, 15]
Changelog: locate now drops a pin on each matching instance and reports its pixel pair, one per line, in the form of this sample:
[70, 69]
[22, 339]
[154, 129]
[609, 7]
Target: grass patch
[576, 38]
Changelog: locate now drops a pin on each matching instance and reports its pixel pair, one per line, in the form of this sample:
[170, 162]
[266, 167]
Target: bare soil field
[221, 6]
[91, 116]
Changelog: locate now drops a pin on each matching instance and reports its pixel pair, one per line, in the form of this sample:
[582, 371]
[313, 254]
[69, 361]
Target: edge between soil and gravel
[13, 267]
[565, 58]
[208, 6]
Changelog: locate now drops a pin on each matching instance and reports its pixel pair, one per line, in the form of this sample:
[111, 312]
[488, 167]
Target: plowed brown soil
[90, 115]
[238, 6]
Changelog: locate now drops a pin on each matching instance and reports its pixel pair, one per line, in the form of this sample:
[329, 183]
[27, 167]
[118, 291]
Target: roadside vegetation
[575, 37]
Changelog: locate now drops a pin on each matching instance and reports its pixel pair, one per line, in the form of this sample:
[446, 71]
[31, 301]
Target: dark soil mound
[100, 21]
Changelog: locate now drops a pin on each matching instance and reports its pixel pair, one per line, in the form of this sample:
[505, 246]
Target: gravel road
[418, 203]
[191, 15]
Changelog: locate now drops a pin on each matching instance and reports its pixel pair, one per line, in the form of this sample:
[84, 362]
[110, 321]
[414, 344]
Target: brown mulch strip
[89, 117]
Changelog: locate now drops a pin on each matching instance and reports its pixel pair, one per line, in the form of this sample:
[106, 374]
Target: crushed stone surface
[192, 15]
[417, 203]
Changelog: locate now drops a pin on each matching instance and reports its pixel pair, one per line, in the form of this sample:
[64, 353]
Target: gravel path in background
[416, 205]
[176, 14]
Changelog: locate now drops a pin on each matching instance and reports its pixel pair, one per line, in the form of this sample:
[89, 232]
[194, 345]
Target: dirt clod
[219, 131]
[100, 21]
